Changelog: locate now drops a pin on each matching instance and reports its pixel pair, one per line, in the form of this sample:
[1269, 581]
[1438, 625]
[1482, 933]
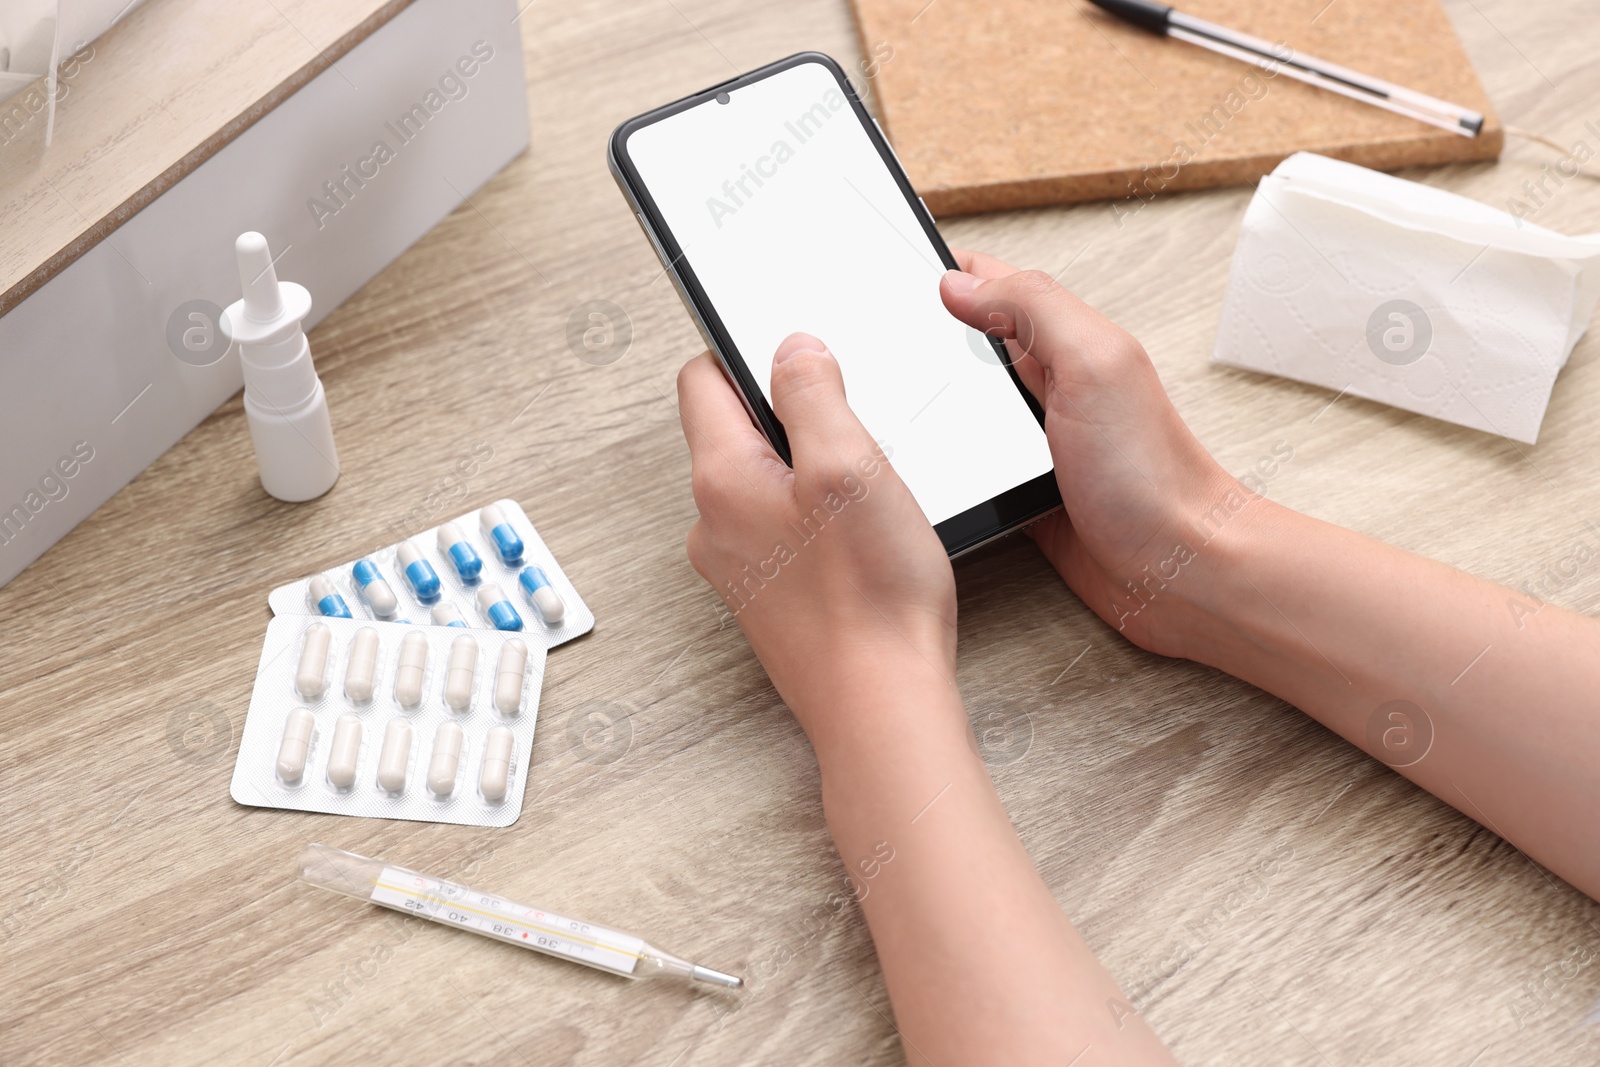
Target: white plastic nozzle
[258, 278]
[283, 399]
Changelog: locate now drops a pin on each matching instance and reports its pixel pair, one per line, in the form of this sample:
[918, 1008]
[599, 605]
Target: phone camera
[723, 98]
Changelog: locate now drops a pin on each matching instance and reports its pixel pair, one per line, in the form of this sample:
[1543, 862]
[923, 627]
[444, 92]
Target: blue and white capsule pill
[327, 599]
[369, 579]
[506, 542]
[447, 614]
[497, 609]
[418, 571]
[453, 543]
[542, 595]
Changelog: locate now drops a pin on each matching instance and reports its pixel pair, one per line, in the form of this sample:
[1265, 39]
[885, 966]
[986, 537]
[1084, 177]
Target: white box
[91, 392]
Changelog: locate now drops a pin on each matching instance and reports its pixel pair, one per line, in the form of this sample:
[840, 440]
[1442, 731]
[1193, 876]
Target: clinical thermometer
[494, 916]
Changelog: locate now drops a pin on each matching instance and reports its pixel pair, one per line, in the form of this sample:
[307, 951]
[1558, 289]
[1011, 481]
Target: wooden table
[1265, 893]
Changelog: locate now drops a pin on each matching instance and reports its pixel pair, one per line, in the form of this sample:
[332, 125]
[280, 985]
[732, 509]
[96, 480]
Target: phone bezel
[1011, 510]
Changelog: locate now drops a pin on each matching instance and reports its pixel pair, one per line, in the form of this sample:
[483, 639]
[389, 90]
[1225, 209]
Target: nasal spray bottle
[283, 398]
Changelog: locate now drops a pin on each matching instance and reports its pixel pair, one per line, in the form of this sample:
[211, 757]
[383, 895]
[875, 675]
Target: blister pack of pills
[486, 569]
[428, 723]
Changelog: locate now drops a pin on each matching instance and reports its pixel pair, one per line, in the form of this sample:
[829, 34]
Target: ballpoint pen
[1163, 19]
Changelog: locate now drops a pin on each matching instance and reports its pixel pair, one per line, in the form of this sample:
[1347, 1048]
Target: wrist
[869, 712]
[1235, 535]
[886, 762]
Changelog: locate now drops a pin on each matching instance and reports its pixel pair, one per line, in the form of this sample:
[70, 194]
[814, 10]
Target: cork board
[995, 104]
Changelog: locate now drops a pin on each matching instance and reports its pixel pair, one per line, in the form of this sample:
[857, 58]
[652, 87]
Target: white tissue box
[38, 36]
[1398, 292]
[96, 376]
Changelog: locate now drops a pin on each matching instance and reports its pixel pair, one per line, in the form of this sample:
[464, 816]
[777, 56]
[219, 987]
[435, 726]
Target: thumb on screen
[808, 398]
[1034, 315]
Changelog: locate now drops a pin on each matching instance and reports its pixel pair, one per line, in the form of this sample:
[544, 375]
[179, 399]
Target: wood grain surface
[1265, 893]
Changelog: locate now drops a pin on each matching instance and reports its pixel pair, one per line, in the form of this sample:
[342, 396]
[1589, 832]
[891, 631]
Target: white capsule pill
[459, 551]
[459, 675]
[503, 535]
[508, 674]
[345, 751]
[542, 595]
[445, 613]
[326, 599]
[308, 676]
[362, 665]
[548, 601]
[407, 554]
[418, 572]
[496, 763]
[497, 609]
[394, 756]
[408, 669]
[373, 586]
[446, 754]
[296, 743]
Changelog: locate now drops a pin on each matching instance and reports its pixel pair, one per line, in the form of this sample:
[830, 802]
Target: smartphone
[776, 205]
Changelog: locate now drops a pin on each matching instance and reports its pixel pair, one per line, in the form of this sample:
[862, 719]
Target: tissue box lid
[145, 104]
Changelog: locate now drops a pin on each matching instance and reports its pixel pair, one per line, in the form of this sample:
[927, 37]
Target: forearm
[1362, 635]
[980, 962]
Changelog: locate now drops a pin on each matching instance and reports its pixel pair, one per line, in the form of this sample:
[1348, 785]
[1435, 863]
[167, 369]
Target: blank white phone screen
[787, 215]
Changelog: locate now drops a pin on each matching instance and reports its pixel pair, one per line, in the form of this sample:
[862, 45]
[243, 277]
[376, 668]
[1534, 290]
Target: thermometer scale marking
[445, 902]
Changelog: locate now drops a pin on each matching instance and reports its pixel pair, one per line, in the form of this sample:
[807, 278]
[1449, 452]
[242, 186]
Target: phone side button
[683, 294]
[890, 145]
[677, 283]
[655, 243]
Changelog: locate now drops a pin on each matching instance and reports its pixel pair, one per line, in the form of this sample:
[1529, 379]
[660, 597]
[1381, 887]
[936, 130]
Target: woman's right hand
[1134, 479]
[1480, 694]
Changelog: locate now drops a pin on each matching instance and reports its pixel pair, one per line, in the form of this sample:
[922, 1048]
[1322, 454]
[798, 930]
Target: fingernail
[960, 282]
[797, 343]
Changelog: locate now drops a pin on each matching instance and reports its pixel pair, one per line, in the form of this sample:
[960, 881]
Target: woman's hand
[1135, 481]
[847, 597]
[831, 569]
